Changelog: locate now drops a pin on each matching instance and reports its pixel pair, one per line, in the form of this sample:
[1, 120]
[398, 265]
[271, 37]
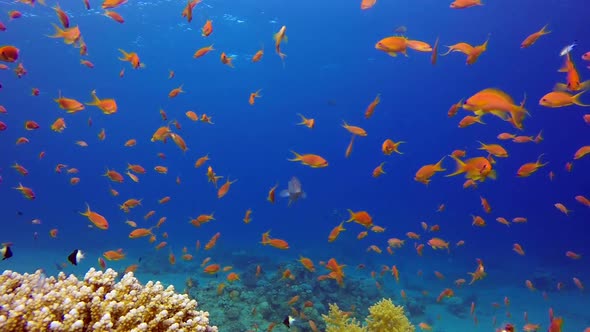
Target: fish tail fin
[378, 99]
[478, 119]
[86, 213]
[492, 175]
[95, 101]
[539, 160]
[58, 32]
[448, 51]
[544, 30]
[297, 156]
[351, 216]
[125, 55]
[438, 165]
[303, 118]
[585, 85]
[460, 167]
[560, 87]
[576, 99]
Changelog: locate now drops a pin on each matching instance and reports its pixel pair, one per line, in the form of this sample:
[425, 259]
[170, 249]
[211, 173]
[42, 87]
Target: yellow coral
[338, 321]
[32, 302]
[384, 316]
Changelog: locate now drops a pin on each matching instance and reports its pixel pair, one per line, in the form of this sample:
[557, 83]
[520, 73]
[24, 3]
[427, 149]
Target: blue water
[331, 73]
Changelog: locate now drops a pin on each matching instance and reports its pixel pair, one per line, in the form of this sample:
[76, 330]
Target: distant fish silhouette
[401, 29]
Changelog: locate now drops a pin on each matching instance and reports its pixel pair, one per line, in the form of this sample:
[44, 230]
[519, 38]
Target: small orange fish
[226, 60]
[531, 39]
[253, 96]
[207, 28]
[371, 108]
[174, 92]
[115, 16]
[202, 51]
[311, 160]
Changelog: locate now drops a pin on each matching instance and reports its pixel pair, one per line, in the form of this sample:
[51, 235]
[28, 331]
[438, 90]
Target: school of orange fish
[488, 102]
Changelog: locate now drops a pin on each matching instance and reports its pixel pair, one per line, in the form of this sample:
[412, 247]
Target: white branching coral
[32, 302]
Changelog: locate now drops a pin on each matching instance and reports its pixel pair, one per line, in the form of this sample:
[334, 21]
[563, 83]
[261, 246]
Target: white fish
[567, 49]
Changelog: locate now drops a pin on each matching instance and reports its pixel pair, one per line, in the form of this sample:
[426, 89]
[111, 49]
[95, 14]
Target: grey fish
[294, 191]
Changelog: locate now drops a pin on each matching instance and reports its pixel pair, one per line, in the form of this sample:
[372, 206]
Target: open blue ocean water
[331, 73]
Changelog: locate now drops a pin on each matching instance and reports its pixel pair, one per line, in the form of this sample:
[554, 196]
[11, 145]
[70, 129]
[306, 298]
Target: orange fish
[371, 108]
[561, 99]
[476, 169]
[562, 208]
[426, 172]
[309, 123]
[311, 160]
[26, 191]
[271, 194]
[253, 96]
[174, 92]
[8, 53]
[355, 130]
[225, 188]
[530, 168]
[335, 232]
[112, 3]
[226, 60]
[388, 147]
[378, 171]
[518, 249]
[207, 28]
[258, 55]
[68, 104]
[96, 219]
[114, 15]
[278, 38]
[202, 51]
[63, 17]
[531, 39]
[366, 4]
[132, 58]
[114, 255]
[581, 152]
[70, 35]
[107, 106]
[361, 217]
[393, 45]
[462, 4]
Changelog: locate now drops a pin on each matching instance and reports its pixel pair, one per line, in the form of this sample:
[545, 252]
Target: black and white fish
[293, 191]
[76, 256]
[5, 252]
[288, 321]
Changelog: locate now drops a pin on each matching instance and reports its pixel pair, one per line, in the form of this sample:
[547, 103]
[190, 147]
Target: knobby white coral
[31, 302]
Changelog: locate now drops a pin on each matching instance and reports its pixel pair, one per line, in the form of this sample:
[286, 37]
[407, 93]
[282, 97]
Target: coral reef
[32, 302]
[384, 316]
[338, 321]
